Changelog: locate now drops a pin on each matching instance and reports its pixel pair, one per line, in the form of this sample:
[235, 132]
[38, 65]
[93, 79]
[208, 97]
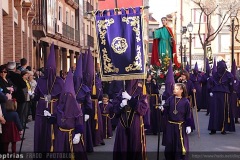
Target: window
[72, 21]
[59, 13]
[225, 42]
[197, 12]
[66, 17]
[150, 34]
[150, 47]
[197, 42]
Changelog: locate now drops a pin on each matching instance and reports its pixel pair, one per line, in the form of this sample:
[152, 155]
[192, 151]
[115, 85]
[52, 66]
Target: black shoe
[223, 132]
[103, 143]
[198, 110]
[26, 127]
[23, 138]
[207, 114]
[212, 132]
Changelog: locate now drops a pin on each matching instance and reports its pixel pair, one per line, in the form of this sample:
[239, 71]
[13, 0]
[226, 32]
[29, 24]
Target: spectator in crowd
[12, 129]
[5, 83]
[27, 93]
[33, 85]
[3, 99]
[20, 84]
[23, 65]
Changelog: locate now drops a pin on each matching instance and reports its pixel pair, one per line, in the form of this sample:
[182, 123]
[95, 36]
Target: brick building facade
[28, 27]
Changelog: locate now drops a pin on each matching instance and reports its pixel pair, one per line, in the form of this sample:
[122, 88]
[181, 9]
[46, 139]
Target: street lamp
[184, 41]
[233, 28]
[183, 31]
[190, 29]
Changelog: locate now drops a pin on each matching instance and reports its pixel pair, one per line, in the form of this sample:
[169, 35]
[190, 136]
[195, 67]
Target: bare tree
[208, 8]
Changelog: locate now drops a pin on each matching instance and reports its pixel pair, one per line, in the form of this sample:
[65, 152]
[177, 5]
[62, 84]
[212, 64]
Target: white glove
[125, 95]
[188, 129]
[211, 94]
[30, 93]
[235, 81]
[76, 138]
[99, 102]
[210, 74]
[124, 103]
[86, 117]
[46, 113]
[161, 108]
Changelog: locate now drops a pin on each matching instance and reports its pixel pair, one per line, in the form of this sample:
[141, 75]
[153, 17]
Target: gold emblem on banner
[119, 45]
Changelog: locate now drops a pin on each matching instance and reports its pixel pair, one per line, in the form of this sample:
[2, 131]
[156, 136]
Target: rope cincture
[181, 136]
[69, 139]
[52, 128]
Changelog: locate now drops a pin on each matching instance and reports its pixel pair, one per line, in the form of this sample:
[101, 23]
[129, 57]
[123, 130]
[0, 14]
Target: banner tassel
[144, 89]
[94, 90]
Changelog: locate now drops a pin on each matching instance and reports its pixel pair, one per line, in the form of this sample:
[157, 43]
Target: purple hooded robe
[130, 140]
[49, 84]
[70, 122]
[221, 83]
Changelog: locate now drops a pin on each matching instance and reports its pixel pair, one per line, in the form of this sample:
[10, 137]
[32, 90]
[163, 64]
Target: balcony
[87, 7]
[77, 35]
[89, 41]
[73, 3]
[67, 31]
[40, 21]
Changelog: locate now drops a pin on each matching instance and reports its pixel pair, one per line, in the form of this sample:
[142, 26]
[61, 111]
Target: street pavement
[211, 144]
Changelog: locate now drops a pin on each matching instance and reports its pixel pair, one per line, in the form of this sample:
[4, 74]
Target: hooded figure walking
[130, 106]
[70, 123]
[47, 93]
[83, 96]
[221, 87]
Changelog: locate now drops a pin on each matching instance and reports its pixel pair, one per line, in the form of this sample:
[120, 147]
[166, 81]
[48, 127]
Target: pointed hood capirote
[68, 106]
[208, 69]
[78, 74]
[195, 70]
[170, 75]
[214, 68]
[50, 68]
[169, 83]
[89, 70]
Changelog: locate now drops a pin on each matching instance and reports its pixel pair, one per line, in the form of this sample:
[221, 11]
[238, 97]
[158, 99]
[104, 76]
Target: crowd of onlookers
[17, 85]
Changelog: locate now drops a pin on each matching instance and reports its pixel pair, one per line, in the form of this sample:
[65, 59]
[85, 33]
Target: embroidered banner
[120, 44]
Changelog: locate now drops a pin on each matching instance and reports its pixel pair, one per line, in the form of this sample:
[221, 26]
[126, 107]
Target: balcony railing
[90, 41]
[87, 6]
[67, 31]
[40, 8]
[40, 20]
[77, 35]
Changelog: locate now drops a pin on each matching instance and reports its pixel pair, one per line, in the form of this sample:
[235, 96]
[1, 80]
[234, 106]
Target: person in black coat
[20, 84]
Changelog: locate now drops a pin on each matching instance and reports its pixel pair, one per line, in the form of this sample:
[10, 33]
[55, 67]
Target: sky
[160, 8]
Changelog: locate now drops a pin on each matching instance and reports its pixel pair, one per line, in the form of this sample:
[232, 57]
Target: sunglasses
[3, 71]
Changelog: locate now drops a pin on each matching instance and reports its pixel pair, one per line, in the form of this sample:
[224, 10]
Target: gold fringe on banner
[94, 90]
[144, 53]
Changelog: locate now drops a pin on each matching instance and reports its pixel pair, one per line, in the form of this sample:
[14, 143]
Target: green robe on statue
[165, 44]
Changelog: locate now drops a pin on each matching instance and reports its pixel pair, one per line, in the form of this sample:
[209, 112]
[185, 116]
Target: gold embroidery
[102, 28]
[134, 21]
[137, 64]
[108, 66]
[119, 45]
